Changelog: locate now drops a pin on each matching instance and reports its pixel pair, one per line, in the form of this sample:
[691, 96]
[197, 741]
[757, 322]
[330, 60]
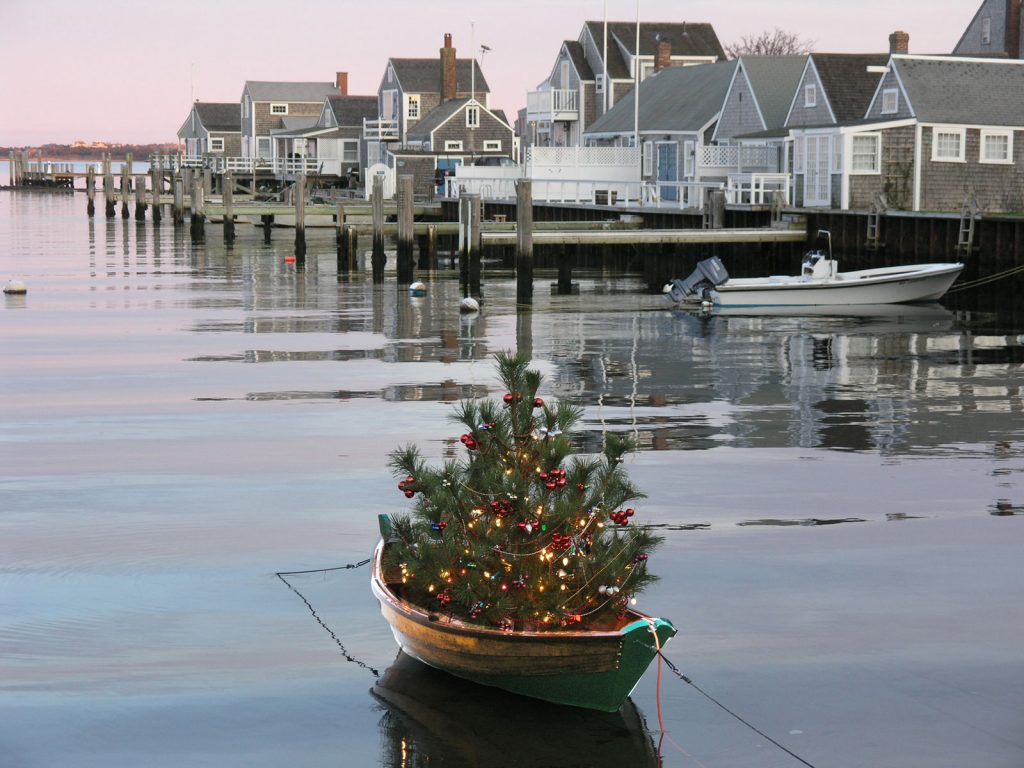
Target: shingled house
[266, 106]
[211, 129]
[434, 114]
[574, 95]
[995, 30]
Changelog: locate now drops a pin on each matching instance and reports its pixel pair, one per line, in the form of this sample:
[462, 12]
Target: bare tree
[775, 42]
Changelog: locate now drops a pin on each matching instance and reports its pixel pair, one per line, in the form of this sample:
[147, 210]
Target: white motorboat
[820, 283]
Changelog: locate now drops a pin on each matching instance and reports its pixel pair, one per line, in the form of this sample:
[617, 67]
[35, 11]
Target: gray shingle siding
[801, 115]
[875, 109]
[998, 188]
[739, 115]
[972, 44]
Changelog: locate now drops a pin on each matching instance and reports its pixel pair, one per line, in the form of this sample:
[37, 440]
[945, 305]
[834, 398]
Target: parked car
[494, 160]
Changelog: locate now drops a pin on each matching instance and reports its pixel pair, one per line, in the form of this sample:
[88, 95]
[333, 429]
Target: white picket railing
[380, 130]
[757, 188]
[552, 104]
[737, 158]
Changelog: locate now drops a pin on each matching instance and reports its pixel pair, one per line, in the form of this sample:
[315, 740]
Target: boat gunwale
[880, 278]
[449, 625]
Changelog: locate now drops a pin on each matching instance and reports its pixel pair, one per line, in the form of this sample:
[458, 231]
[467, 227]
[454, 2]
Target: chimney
[663, 57]
[341, 80]
[899, 42]
[1013, 29]
[449, 78]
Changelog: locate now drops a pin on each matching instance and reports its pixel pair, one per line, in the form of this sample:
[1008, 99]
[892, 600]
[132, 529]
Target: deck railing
[380, 130]
[553, 104]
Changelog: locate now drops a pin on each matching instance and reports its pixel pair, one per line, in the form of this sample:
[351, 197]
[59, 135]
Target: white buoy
[468, 305]
[15, 287]
[418, 289]
[666, 288]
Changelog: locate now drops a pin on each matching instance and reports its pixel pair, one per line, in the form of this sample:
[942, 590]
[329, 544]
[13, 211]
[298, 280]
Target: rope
[344, 652]
[713, 700]
[987, 279]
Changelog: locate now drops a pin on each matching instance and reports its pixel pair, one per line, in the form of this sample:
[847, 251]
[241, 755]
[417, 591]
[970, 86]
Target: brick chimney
[663, 57]
[449, 77]
[899, 42]
[341, 80]
[1013, 29]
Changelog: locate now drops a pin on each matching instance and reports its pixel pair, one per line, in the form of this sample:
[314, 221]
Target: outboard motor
[709, 274]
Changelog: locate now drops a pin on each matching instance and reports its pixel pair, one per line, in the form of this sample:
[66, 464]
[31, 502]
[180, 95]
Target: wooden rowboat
[580, 668]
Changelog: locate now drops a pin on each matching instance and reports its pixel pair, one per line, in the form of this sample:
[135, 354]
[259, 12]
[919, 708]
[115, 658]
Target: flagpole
[636, 83]
[604, 58]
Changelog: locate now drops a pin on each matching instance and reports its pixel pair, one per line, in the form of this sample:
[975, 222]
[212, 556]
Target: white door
[817, 181]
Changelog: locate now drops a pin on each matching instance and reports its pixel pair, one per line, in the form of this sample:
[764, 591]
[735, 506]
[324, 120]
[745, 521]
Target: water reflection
[431, 718]
[1006, 508]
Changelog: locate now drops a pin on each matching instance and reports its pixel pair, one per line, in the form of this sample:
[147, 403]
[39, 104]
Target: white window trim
[877, 170]
[279, 109]
[473, 117]
[647, 153]
[895, 93]
[799, 142]
[412, 104]
[810, 95]
[961, 132]
[599, 82]
[986, 31]
[837, 153]
[985, 133]
[216, 144]
[492, 145]
[453, 146]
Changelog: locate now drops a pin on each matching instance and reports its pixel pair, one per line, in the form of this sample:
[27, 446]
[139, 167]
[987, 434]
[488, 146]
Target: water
[841, 496]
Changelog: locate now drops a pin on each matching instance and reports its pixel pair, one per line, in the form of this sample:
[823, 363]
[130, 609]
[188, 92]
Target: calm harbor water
[842, 498]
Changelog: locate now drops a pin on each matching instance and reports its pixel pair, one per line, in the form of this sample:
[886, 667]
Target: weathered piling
[108, 194]
[140, 198]
[347, 249]
[524, 241]
[90, 191]
[470, 243]
[404, 265]
[126, 186]
[197, 228]
[378, 259]
[300, 216]
[156, 184]
[267, 222]
[228, 194]
[428, 252]
[178, 212]
[565, 263]
[207, 182]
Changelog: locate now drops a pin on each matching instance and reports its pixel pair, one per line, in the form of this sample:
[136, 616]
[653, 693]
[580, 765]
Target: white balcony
[380, 130]
[556, 104]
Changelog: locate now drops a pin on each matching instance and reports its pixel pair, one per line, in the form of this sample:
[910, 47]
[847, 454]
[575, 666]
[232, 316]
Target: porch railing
[552, 104]
[380, 130]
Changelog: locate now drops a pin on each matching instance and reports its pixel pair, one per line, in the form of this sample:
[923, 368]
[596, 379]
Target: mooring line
[344, 651]
[715, 701]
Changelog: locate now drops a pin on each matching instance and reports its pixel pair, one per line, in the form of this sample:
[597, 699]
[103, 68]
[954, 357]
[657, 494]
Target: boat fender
[468, 305]
[15, 287]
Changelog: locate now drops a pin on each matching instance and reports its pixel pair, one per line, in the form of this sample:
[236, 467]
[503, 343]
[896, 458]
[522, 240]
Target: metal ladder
[968, 215]
[875, 212]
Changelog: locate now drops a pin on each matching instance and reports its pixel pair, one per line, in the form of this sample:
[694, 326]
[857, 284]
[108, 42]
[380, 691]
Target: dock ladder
[968, 216]
[878, 206]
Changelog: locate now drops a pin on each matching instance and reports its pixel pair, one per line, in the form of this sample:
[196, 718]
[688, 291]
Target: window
[217, 145]
[350, 151]
[472, 117]
[986, 31]
[412, 106]
[453, 146]
[263, 147]
[648, 158]
[492, 146]
[948, 145]
[391, 74]
[810, 95]
[996, 147]
[599, 82]
[279, 109]
[798, 154]
[837, 153]
[867, 153]
[890, 101]
[245, 107]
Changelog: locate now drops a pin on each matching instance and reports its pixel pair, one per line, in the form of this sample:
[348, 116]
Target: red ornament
[508, 398]
[409, 494]
[537, 402]
[581, 487]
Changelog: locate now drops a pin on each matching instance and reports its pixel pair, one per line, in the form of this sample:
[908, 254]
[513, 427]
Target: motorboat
[820, 283]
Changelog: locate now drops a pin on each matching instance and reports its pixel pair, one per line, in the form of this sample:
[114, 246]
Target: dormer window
[890, 101]
[472, 117]
[986, 31]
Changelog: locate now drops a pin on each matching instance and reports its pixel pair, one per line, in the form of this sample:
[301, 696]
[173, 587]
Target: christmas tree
[519, 532]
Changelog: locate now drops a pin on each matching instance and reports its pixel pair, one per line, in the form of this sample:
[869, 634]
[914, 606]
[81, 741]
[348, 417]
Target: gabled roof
[424, 75]
[677, 99]
[579, 59]
[774, 79]
[219, 117]
[438, 116]
[687, 39]
[965, 91]
[294, 125]
[352, 110]
[848, 85]
[262, 90]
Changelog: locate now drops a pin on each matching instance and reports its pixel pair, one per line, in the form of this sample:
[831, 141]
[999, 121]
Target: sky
[127, 71]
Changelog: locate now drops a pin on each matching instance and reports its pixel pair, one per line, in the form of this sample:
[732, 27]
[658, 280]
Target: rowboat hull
[591, 669]
[886, 285]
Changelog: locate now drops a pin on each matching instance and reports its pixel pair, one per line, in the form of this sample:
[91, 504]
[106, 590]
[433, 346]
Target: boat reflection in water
[435, 719]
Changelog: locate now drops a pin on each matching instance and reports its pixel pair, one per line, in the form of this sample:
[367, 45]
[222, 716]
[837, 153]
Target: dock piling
[198, 216]
[90, 191]
[140, 198]
[156, 183]
[126, 185]
[178, 184]
[524, 241]
[229, 207]
[300, 216]
[108, 194]
[404, 264]
[378, 257]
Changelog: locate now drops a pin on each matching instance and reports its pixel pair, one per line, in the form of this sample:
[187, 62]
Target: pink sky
[127, 71]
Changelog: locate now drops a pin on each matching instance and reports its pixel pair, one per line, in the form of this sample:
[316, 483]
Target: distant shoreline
[67, 154]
